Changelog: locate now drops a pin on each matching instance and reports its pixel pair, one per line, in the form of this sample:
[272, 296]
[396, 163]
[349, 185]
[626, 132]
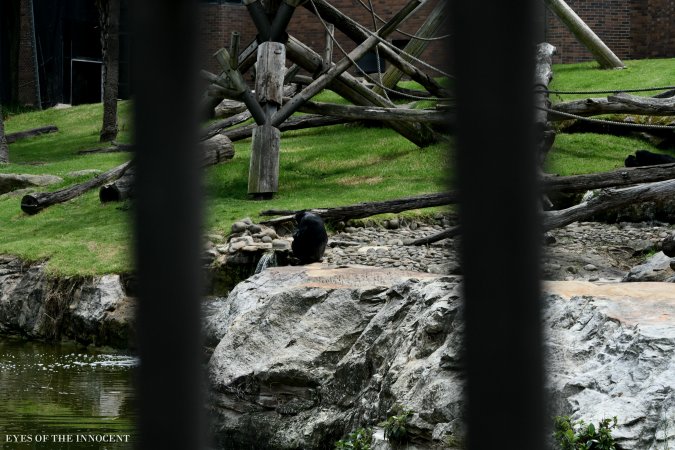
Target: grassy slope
[588, 153]
[319, 167]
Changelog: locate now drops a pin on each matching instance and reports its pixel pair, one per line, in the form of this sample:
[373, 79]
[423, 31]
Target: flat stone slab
[647, 304]
[13, 181]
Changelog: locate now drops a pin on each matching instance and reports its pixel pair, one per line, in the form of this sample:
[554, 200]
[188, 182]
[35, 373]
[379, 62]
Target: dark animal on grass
[647, 158]
[310, 238]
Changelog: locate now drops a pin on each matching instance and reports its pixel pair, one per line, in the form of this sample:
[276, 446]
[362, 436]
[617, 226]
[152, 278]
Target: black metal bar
[497, 161]
[168, 225]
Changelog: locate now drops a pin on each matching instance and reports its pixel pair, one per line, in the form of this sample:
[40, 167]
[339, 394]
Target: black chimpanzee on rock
[310, 238]
[647, 158]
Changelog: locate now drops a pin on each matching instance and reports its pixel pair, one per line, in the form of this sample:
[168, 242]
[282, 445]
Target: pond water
[62, 396]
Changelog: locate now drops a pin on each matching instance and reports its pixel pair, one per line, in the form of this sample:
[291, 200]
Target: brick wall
[219, 20]
[653, 28]
[632, 29]
[26, 72]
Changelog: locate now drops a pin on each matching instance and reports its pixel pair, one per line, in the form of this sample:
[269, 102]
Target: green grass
[319, 168]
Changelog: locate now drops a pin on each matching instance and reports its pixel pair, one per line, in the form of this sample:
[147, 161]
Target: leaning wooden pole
[588, 38]
[416, 47]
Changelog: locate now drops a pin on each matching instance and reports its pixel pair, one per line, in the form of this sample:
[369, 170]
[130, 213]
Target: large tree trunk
[109, 18]
[4, 147]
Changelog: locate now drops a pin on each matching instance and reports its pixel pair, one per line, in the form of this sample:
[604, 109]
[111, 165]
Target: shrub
[356, 440]
[577, 435]
[395, 427]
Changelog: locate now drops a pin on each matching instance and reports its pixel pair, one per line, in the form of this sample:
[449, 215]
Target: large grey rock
[656, 268]
[307, 354]
[611, 350]
[14, 181]
[91, 310]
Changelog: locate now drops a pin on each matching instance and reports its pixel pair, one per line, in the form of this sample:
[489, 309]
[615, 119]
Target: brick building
[69, 48]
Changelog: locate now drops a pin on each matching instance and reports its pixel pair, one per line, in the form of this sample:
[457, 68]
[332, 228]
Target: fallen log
[619, 177]
[217, 127]
[216, 149]
[120, 189]
[607, 199]
[367, 209]
[34, 203]
[294, 123]
[115, 148]
[13, 137]
[616, 104]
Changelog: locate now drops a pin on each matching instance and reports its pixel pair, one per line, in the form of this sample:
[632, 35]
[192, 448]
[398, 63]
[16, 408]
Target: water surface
[63, 396]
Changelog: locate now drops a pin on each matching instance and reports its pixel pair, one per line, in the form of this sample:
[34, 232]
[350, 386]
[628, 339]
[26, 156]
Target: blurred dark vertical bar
[168, 224]
[494, 65]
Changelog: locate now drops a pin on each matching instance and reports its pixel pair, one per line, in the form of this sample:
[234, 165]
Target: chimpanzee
[310, 238]
[647, 158]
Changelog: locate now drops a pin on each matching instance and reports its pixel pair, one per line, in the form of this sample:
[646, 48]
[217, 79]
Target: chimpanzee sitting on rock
[647, 158]
[309, 238]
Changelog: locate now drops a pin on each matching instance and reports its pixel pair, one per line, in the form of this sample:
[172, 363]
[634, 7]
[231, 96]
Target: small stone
[350, 230]
[239, 227]
[395, 242]
[247, 221]
[250, 248]
[281, 244]
[236, 246]
[270, 232]
[590, 267]
[413, 226]
[672, 264]
[255, 228]
[266, 239]
[394, 224]
[593, 279]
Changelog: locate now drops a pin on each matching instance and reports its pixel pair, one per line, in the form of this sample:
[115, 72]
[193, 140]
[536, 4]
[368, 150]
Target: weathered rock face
[89, 310]
[656, 268]
[307, 354]
[611, 350]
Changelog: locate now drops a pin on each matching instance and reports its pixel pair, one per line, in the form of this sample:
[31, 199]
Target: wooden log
[432, 24]
[263, 173]
[239, 85]
[215, 150]
[325, 79]
[218, 127]
[619, 177]
[445, 234]
[34, 203]
[4, 148]
[603, 55]
[120, 189]
[269, 80]
[13, 137]
[228, 108]
[359, 33]
[543, 75]
[609, 199]
[328, 47]
[367, 209]
[376, 113]
[348, 87]
[294, 123]
[616, 104]
[115, 148]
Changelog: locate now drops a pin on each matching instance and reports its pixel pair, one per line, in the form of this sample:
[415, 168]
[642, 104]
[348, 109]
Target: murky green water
[64, 397]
